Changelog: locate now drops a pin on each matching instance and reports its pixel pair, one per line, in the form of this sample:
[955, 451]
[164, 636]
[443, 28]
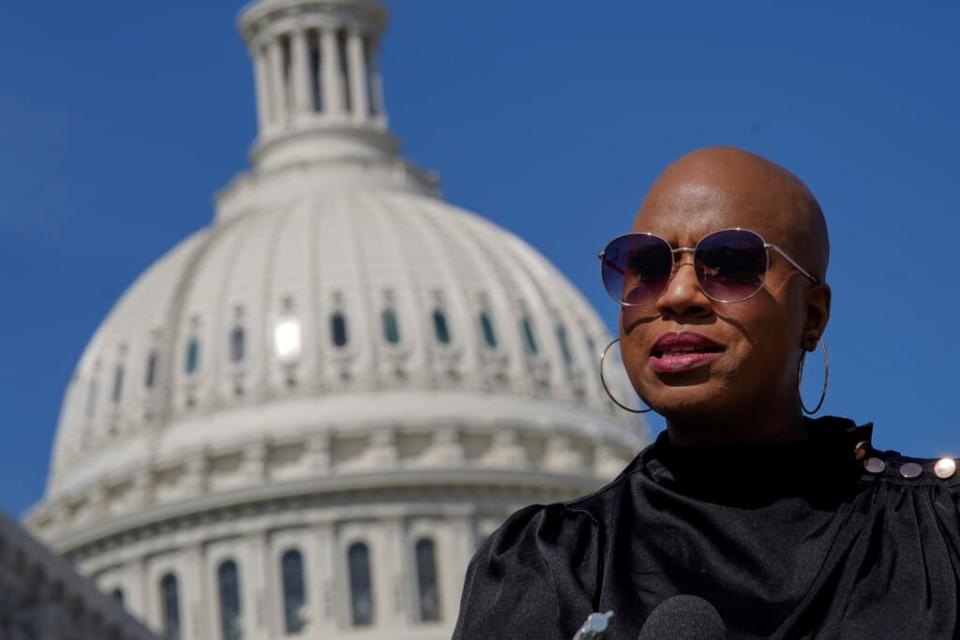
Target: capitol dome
[341, 367]
[343, 307]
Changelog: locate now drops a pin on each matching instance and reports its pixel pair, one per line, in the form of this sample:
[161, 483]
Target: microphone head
[684, 617]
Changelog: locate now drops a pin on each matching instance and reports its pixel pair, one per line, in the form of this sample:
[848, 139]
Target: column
[392, 574]
[330, 73]
[263, 89]
[300, 73]
[453, 555]
[196, 596]
[376, 82]
[266, 578]
[327, 577]
[136, 596]
[358, 76]
[278, 103]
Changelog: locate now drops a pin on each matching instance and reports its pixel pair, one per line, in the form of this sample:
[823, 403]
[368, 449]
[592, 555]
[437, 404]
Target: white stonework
[340, 357]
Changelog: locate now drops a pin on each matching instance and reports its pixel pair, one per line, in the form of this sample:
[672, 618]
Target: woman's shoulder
[562, 521]
[538, 574]
[585, 513]
[894, 468]
[887, 467]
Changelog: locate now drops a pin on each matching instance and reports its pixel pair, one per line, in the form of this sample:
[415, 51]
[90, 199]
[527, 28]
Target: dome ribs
[229, 307]
[269, 300]
[402, 285]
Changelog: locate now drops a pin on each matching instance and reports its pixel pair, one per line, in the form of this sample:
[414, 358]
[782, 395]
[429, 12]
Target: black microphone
[684, 618]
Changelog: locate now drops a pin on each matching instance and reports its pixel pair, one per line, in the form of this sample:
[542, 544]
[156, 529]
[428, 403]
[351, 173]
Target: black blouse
[823, 539]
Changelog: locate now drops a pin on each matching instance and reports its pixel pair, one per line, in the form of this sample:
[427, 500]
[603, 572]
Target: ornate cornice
[447, 492]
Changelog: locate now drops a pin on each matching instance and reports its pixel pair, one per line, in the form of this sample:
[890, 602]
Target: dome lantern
[318, 89]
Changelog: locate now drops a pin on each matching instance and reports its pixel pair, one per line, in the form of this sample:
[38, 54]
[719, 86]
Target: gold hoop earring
[603, 381]
[826, 379]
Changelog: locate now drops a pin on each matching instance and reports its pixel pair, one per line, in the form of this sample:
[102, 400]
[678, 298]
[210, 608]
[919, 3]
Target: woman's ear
[817, 314]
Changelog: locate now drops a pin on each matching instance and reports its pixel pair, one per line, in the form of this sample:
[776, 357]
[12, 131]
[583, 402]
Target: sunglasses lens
[636, 268]
[731, 264]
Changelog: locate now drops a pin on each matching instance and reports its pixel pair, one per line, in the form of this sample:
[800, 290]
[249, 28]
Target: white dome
[356, 253]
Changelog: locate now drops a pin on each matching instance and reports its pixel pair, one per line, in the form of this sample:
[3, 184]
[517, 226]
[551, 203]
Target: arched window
[170, 607]
[228, 584]
[117, 594]
[361, 587]
[117, 392]
[237, 344]
[530, 337]
[564, 344]
[150, 375]
[428, 589]
[294, 592]
[391, 332]
[193, 356]
[288, 339]
[338, 329]
[440, 327]
[486, 325]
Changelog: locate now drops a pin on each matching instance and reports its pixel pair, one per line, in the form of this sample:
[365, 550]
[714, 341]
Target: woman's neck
[761, 427]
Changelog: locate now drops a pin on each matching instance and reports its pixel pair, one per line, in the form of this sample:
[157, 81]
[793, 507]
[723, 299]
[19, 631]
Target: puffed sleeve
[893, 570]
[535, 577]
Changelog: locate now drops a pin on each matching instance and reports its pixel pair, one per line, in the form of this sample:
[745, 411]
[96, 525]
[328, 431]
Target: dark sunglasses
[730, 265]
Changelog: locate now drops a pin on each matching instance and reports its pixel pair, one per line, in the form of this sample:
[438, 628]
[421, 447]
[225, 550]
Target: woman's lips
[676, 352]
[674, 363]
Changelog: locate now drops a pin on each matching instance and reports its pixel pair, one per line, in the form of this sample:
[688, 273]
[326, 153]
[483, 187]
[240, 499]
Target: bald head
[719, 187]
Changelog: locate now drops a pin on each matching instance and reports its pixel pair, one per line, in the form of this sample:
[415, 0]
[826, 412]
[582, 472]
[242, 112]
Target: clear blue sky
[118, 120]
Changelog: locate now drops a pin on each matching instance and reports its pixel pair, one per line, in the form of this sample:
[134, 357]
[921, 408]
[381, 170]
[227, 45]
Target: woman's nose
[683, 295]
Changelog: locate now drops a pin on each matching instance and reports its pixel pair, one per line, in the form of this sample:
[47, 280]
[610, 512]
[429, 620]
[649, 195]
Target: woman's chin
[687, 398]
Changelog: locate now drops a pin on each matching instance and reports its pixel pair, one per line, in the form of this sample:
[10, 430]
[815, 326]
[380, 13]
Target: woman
[790, 527]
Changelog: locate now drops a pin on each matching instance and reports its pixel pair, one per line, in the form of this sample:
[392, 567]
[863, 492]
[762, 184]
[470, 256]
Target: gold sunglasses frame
[693, 250]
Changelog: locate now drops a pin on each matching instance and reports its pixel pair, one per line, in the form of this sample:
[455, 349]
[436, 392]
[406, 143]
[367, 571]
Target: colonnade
[316, 72]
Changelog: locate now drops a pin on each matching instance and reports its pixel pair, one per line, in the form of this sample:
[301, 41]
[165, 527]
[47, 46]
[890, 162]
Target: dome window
[193, 356]
[486, 326]
[338, 329]
[440, 327]
[287, 339]
[150, 373]
[361, 586]
[231, 614]
[170, 605]
[117, 392]
[294, 592]
[427, 586]
[564, 344]
[391, 331]
[530, 337]
[237, 344]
